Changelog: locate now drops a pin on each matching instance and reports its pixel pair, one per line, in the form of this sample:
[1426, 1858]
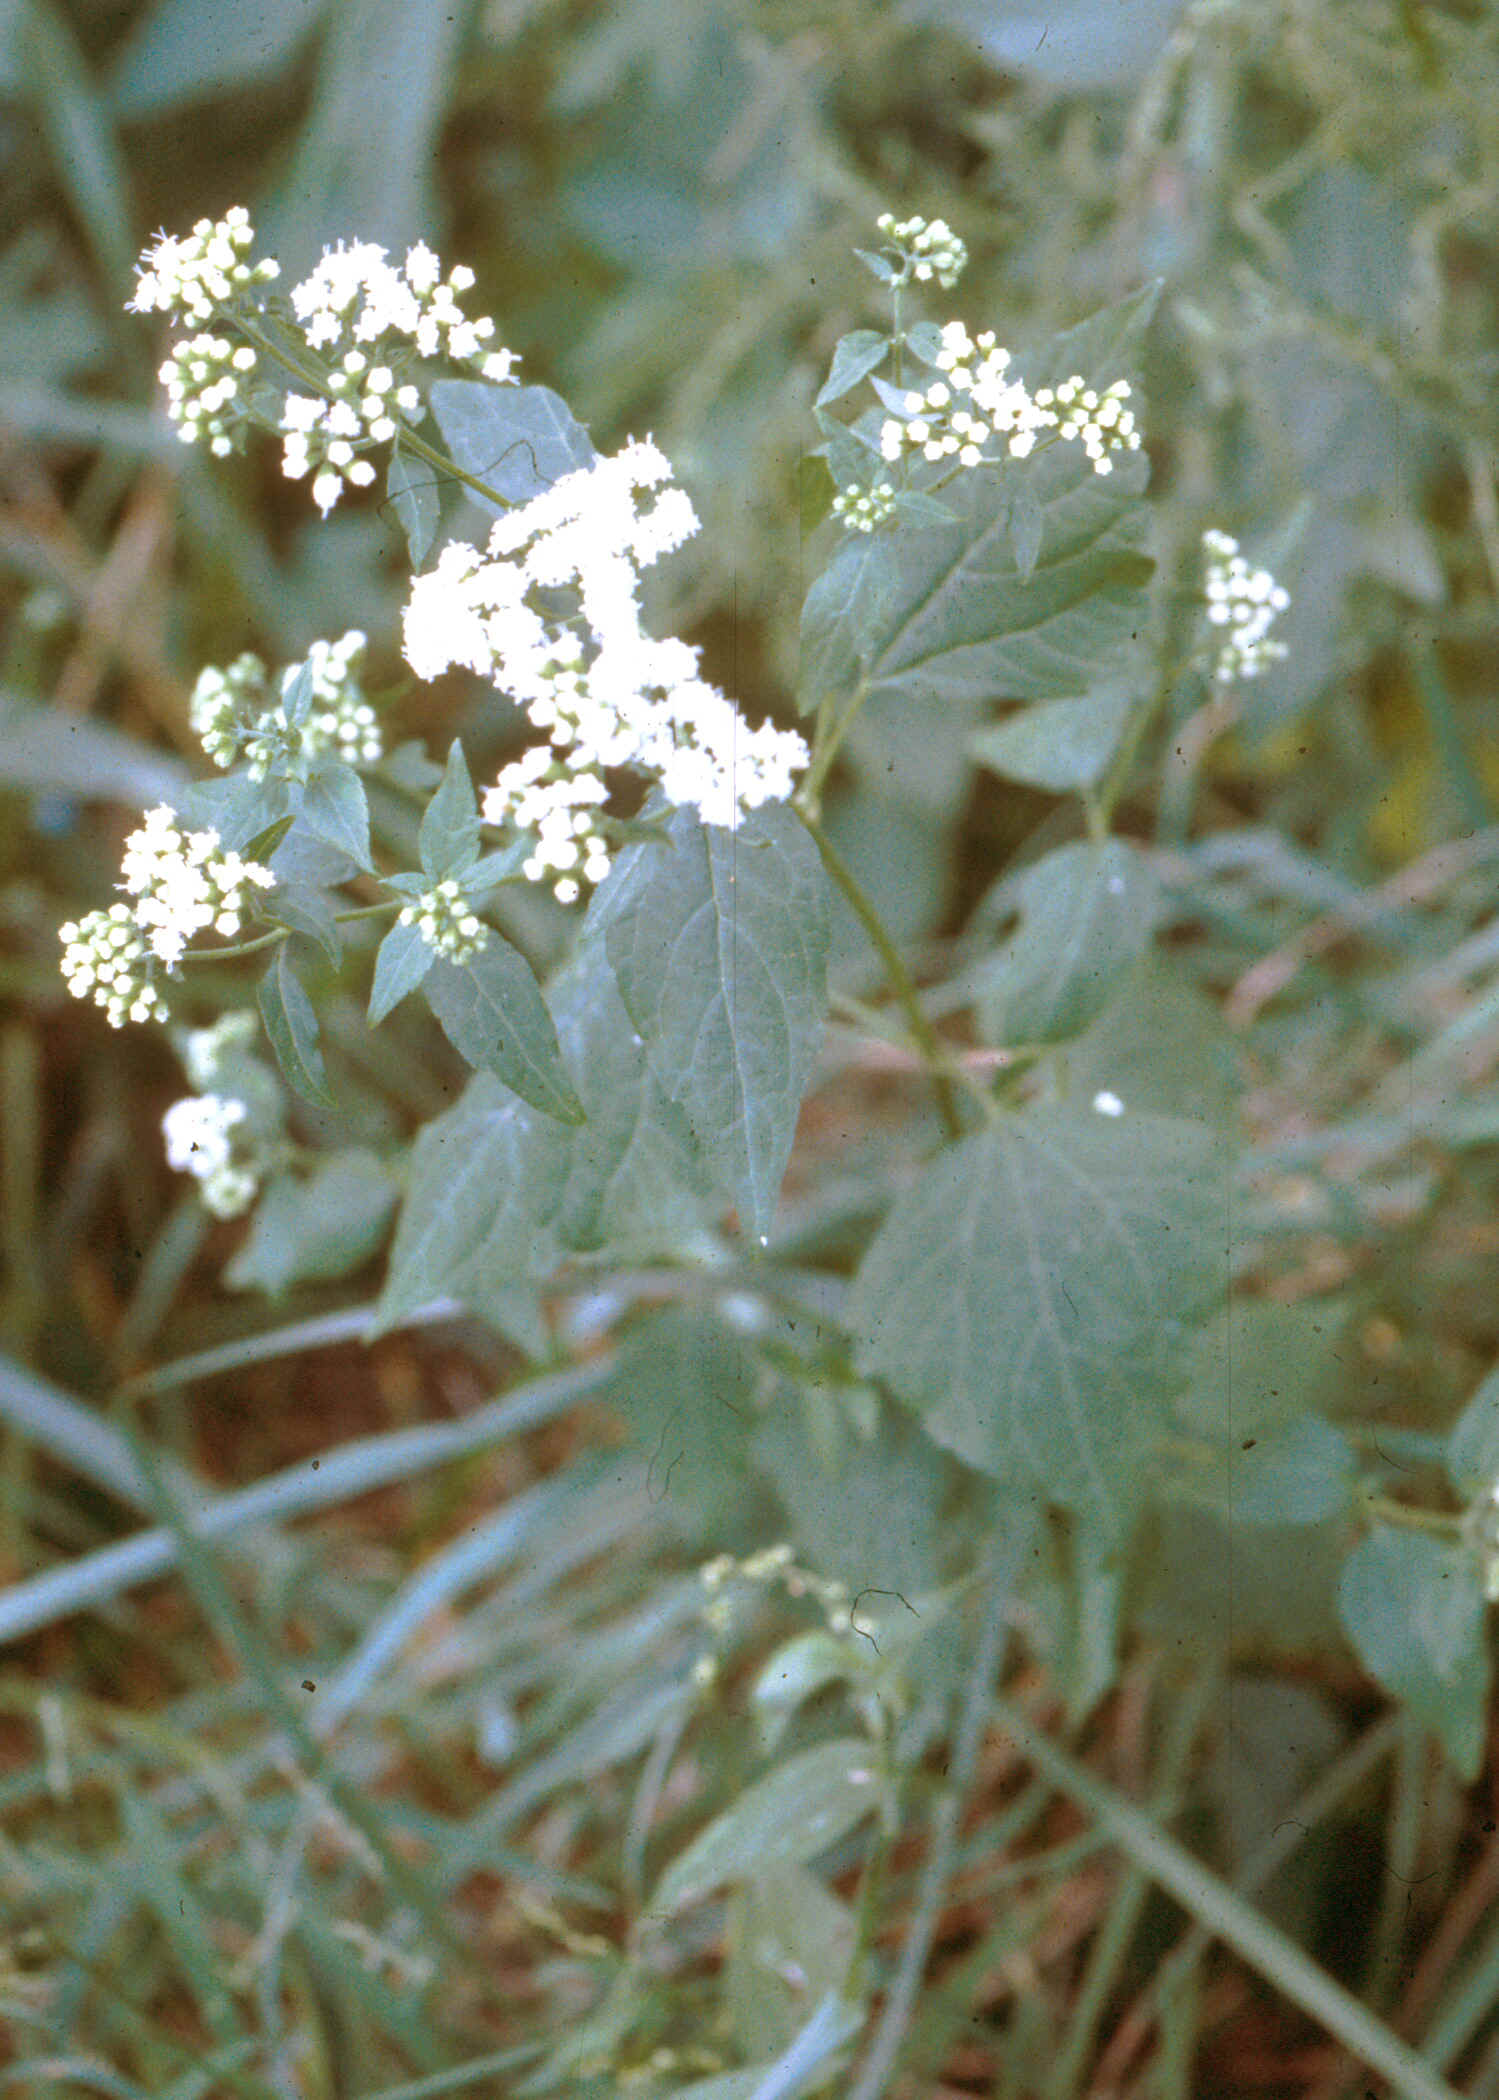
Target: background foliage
[420, 1761]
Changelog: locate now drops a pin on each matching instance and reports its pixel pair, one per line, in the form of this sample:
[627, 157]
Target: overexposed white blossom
[606, 692]
[198, 275]
[447, 921]
[198, 1137]
[1245, 602]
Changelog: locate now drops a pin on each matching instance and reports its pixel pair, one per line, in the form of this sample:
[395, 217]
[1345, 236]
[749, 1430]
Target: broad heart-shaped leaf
[498, 1193]
[449, 836]
[491, 1010]
[795, 1812]
[945, 611]
[1029, 1294]
[403, 960]
[1473, 1446]
[1413, 1607]
[411, 486]
[719, 943]
[517, 440]
[335, 808]
[291, 1024]
[1086, 912]
[1062, 745]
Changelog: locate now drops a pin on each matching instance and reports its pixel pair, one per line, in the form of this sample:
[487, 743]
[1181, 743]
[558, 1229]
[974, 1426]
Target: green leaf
[498, 1193]
[87, 164]
[517, 440]
[296, 694]
[1064, 746]
[492, 1012]
[1413, 1607]
[685, 1396]
[317, 1228]
[944, 611]
[854, 357]
[719, 944]
[411, 486]
[794, 1813]
[1027, 525]
[185, 50]
[402, 962]
[306, 911]
[1297, 1475]
[1086, 912]
[794, 1673]
[1028, 1295]
[46, 748]
[790, 1942]
[291, 1024]
[1158, 1044]
[1473, 1446]
[335, 808]
[449, 835]
[366, 152]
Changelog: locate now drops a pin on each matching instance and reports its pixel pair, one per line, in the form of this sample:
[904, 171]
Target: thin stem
[309, 376]
[922, 1032]
[1263, 1946]
[284, 933]
[1003, 1558]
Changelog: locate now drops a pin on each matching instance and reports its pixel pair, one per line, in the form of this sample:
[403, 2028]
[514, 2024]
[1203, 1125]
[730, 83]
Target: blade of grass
[1005, 1554]
[353, 1469]
[245, 1640]
[1118, 1929]
[85, 158]
[1216, 1906]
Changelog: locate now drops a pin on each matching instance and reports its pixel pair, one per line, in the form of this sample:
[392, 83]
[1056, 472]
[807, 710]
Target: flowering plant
[1045, 1293]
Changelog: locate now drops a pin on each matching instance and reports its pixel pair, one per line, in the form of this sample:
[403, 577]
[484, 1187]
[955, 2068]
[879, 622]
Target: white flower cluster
[1246, 602]
[205, 379]
[197, 1132]
[929, 248]
[183, 884]
[231, 715]
[356, 298]
[956, 417]
[614, 696]
[180, 883]
[863, 509]
[105, 958]
[201, 273]
[320, 439]
[559, 801]
[446, 921]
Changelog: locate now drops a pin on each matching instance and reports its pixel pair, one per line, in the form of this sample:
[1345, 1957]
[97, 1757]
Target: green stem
[923, 1034]
[316, 382]
[284, 933]
[1263, 1946]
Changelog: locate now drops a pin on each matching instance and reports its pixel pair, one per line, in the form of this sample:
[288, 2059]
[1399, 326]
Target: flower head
[198, 1137]
[1245, 602]
[200, 274]
[605, 692]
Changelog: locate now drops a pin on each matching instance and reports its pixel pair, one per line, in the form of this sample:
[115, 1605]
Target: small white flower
[197, 1132]
[202, 273]
[1246, 602]
[1108, 1104]
[928, 248]
[446, 921]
